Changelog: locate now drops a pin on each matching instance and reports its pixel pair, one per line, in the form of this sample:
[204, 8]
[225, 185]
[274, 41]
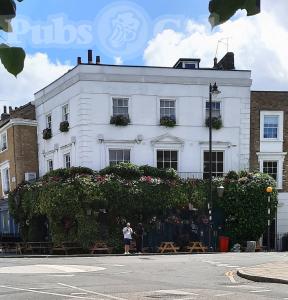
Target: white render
[88, 89]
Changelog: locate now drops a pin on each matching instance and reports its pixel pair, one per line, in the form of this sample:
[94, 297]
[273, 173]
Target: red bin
[223, 243]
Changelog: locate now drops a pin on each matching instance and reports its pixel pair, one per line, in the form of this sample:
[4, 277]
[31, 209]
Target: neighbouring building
[269, 144]
[18, 156]
[91, 95]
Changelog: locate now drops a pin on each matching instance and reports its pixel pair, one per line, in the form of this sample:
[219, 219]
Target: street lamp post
[269, 191]
[213, 90]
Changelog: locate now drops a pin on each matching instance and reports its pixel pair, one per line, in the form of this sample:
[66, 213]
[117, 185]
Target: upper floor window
[117, 156]
[215, 107]
[3, 141]
[271, 125]
[67, 161]
[65, 112]
[217, 164]
[49, 121]
[49, 165]
[5, 181]
[120, 107]
[167, 159]
[271, 168]
[167, 108]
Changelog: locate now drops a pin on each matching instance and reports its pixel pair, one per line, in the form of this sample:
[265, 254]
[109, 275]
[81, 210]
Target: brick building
[269, 144]
[18, 156]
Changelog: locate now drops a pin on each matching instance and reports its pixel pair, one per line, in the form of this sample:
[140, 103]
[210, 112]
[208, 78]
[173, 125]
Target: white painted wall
[89, 90]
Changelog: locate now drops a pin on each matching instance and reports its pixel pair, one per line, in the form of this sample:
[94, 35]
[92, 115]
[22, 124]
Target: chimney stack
[90, 57]
[10, 109]
[98, 60]
[79, 61]
[4, 115]
[215, 63]
[5, 109]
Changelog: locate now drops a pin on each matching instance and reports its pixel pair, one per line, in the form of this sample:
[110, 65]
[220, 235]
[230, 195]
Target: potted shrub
[47, 134]
[168, 121]
[120, 120]
[216, 122]
[64, 126]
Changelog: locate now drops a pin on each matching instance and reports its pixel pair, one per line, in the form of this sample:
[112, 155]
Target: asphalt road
[179, 277]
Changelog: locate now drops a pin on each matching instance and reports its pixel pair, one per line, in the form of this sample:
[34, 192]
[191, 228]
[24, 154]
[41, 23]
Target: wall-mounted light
[73, 139]
[56, 147]
[100, 138]
[139, 139]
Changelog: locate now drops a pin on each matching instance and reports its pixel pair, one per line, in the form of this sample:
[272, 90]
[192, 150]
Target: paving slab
[276, 272]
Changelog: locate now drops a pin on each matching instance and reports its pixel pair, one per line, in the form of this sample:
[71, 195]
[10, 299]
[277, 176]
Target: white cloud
[38, 72]
[259, 44]
[118, 60]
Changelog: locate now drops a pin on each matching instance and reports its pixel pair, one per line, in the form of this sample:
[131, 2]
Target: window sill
[2, 151]
[271, 140]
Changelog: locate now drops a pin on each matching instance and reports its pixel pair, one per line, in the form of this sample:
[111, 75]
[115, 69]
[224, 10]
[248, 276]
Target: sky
[152, 32]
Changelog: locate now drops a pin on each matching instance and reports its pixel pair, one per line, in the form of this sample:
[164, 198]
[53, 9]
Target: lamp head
[220, 191]
[269, 189]
[214, 89]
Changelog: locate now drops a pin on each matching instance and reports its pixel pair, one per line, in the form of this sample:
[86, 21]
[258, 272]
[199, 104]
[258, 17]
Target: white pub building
[87, 99]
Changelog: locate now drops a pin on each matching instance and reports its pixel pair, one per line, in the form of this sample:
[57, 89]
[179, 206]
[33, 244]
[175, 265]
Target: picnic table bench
[16, 247]
[39, 247]
[100, 246]
[196, 246]
[66, 247]
[168, 247]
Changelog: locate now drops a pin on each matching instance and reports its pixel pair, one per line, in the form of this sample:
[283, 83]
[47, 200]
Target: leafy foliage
[223, 10]
[168, 121]
[47, 133]
[120, 120]
[64, 126]
[11, 57]
[216, 122]
[245, 205]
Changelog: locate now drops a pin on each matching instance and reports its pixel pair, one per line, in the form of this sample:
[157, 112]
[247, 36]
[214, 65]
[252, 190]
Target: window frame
[118, 149]
[6, 141]
[68, 154]
[207, 110]
[120, 98]
[48, 166]
[280, 115]
[67, 113]
[203, 162]
[5, 191]
[164, 150]
[48, 124]
[168, 107]
[277, 168]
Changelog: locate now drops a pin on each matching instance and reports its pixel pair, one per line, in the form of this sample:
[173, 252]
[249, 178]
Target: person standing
[127, 233]
[139, 238]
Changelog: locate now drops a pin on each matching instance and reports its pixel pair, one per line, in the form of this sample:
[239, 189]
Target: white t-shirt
[127, 232]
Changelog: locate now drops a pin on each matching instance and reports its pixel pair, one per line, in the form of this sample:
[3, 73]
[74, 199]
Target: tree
[223, 10]
[11, 57]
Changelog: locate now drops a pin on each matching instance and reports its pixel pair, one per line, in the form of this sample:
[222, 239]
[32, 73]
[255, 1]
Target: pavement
[276, 272]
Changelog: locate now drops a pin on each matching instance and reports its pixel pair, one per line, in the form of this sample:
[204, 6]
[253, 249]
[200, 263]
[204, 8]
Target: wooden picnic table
[168, 247]
[16, 247]
[196, 246]
[66, 247]
[100, 246]
[39, 247]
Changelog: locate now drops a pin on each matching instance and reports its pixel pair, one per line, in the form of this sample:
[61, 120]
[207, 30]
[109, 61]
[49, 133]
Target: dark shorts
[127, 242]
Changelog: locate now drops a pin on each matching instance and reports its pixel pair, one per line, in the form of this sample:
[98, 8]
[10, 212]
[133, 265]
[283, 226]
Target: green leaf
[7, 13]
[223, 10]
[12, 58]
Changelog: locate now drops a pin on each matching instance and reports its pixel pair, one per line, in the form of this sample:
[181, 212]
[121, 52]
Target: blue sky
[87, 11]
[151, 32]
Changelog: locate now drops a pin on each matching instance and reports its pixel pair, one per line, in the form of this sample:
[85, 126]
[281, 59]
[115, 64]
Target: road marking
[260, 291]
[225, 294]
[68, 275]
[176, 292]
[46, 293]
[118, 265]
[92, 292]
[230, 275]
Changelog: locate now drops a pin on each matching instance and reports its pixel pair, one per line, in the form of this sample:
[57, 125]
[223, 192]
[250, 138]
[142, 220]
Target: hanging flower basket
[216, 122]
[64, 126]
[120, 120]
[47, 134]
[168, 121]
